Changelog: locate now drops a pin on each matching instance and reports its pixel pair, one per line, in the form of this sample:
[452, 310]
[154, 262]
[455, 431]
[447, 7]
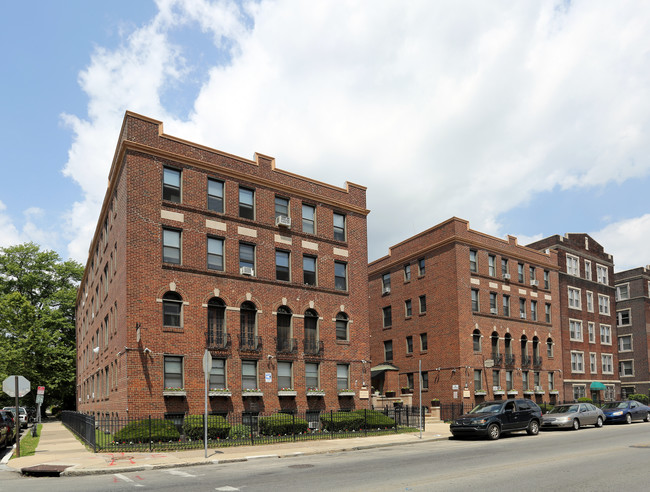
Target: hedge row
[355, 420]
[161, 430]
[218, 427]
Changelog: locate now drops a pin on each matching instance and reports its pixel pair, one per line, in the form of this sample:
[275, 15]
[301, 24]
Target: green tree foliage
[37, 331]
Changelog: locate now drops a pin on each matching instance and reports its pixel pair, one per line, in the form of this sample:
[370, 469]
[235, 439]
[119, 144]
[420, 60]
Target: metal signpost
[207, 367]
[18, 389]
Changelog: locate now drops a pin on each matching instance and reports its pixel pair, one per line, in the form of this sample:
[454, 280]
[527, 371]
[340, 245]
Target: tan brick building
[588, 316]
[198, 249]
[479, 312]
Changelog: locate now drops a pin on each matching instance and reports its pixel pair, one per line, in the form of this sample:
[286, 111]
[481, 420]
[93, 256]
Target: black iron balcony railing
[286, 345]
[313, 347]
[217, 340]
[250, 343]
[537, 361]
[498, 360]
[509, 360]
[525, 361]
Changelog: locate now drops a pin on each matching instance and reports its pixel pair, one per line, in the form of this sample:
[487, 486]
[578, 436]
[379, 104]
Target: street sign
[39, 399]
[207, 362]
[9, 386]
[40, 390]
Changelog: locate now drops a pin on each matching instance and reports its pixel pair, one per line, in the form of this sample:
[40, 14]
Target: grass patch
[28, 443]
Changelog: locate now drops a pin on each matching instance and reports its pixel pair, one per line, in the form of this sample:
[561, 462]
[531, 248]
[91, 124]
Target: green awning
[597, 386]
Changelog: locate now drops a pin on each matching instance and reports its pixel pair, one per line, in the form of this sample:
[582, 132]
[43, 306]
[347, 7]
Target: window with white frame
[602, 275]
[385, 283]
[590, 301]
[588, 269]
[606, 334]
[339, 226]
[603, 304]
[247, 203]
[623, 317]
[549, 348]
[492, 265]
[249, 375]
[579, 391]
[591, 327]
[309, 219]
[577, 362]
[218, 374]
[573, 265]
[342, 376]
[622, 292]
[171, 184]
[473, 261]
[607, 363]
[493, 303]
[311, 375]
[285, 381]
[547, 279]
[215, 195]
[520, 273]
[625, 343]
[173, 371]
[626, 368]
[172, 246]
[551, 381]
[593, 364]
[215, 253]
[575, 330]
[574, 298]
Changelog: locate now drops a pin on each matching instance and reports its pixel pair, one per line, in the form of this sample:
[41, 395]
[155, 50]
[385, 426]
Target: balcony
[537, 362]
[217, 340]
[286, 345]
[509, 360]
[314, 347]
[498, 359]
[250, 344]
[525, 361]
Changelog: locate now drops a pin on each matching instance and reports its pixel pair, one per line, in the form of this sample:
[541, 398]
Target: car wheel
[628, 418]
[494, 432]
[647, 417]
[599, 422]
[576, 424]
[533, 428]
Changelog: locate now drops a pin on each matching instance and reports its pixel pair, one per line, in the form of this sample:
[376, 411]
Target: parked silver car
[573, 416]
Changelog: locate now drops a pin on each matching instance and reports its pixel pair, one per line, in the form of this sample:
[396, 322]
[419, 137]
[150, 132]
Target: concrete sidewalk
[59, 452]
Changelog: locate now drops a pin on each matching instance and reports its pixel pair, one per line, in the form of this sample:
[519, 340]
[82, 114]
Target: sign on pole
[207, 367]
[9, 386]
[40, 390]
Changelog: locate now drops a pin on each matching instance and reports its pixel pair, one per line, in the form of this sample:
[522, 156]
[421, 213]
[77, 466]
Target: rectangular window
[340, 275]
[626, 368]
[342, 376]
[493, 303]
[547, 312]
[281, 207]
[339, 227]
[425, 380]
[388, 317]
[478, 380]
[536, 380]
[408, 308]
[509, 381]
[591, 327]
[409, 345]
[520, 272]
[605, 334]
[607, 362]
[407, 273]
[309, 219]
[421, 267]
[590, 301]
[573, 265]
[473, 261]
[249, 375]
[577, 362]
[409, 380]
[574, 298]
[588, 269]
[623, 318]
[311, 375]
[475, 303]
[215, 253]
[342, 327]
[246, 203]
[309, 270]
[285, 381]
[506, 305]
[522, 308]
[388, 350]
[504, 267]
[579, 391]
[282, 271]
[525, 380]
[602, 274]
[218, 374]
[531, 274]
[246, 259]
[547, 279]
[172, 246]
[173, 371]
[492, 265]
[603, 304]
[423, 304]
[593, 365]
[171, 185]
[496, 379]
[215, 195]
[625, 343]
[551, 381]
[549, 348]
[424, 343]
[533, 310]
[575, 330]
[385, 283]
[622, 292]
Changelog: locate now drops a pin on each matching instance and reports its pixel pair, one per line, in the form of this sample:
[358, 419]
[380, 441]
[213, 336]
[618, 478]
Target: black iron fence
[188, 431]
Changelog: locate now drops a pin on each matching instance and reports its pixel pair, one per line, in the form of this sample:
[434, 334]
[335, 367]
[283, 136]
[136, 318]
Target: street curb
[71, 472]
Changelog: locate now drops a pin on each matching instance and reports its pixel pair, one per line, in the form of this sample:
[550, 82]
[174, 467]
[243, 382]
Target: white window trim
[579, 291]
[592, 331]
[590, 306]
[618, 287]
[631, 349]
[576, 261]
[630, 316]
[580, 331]
[611, 363]
[606, 278]
[610, 334]
[607, 305]
[583, 361]
[593, 362]
[620, 374]
[588, 269]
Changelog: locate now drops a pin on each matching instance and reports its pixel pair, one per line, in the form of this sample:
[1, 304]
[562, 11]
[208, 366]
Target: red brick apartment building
[480, 313]
[587, 316]
[197, 249]
[633, 326]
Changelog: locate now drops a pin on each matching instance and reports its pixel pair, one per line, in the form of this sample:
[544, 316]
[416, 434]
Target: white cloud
[627, 240]
[440, 109]
[9, 234]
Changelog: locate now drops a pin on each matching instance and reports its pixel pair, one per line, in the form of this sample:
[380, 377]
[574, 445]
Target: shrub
[374, 419]
[341, 421]
[641, 398]
[546, 407]
[585, 400]
[218, 428]
[161, 430]
[282, 424]
[239, 431]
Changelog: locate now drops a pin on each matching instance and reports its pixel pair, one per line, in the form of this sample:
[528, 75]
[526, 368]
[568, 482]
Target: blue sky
[526, 118]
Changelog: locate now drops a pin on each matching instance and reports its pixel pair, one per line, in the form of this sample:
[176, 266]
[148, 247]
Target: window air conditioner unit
[522, 315]
[283, 221]
[538, 388]
[246, 271]
[493, 310]
[386, 290]
[314, 425]
[506, 276]
[534, 283]
[496, 388]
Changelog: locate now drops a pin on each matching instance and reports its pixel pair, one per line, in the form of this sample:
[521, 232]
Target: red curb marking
[139, 477]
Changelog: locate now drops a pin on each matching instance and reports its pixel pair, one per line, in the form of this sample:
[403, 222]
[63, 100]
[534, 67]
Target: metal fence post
[93, 435]
[293, 425]
[150, 441]
[365, 422]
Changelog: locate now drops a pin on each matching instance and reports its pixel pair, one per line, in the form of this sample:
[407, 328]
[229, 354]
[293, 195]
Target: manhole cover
[301, 466]
[44, 470]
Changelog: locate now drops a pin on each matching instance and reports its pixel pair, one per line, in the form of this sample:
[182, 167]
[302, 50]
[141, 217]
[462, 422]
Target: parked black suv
[493, 418]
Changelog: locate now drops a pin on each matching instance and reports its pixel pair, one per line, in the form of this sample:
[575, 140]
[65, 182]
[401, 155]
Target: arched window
[342, 322]
[549, 347]
[494, 341]
[524, 345]
[311, 332]
[507, 341]
[172, 309]
[248, 333]
[216, 323]
[476, 340]
[535, 350]
[284, 341]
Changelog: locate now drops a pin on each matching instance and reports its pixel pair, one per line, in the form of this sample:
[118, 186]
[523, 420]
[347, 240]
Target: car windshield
[564, 409]
[615, 404]
[487, 408]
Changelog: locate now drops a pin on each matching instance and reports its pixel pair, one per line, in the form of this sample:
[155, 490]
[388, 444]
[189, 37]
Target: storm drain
[44, 470]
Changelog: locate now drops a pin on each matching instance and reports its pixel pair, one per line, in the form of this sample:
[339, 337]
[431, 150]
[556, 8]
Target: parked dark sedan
[493, 418]
[7, 433]
[625, 411]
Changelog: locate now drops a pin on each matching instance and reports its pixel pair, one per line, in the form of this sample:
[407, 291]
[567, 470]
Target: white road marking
[179, 473]
[122, 477]
[227, 488]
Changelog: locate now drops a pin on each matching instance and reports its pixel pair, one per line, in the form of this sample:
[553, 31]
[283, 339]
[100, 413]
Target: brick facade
[588, 319]
[474, 350]
[128, 283]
